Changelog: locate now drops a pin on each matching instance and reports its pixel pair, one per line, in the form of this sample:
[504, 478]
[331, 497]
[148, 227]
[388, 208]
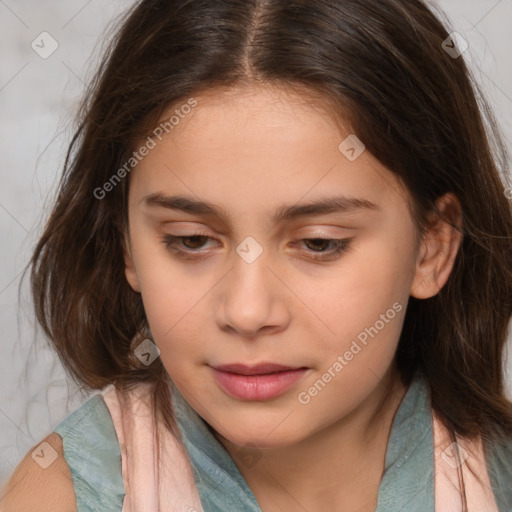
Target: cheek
[365, 285]
[365, 311]
[167, 292]
[177, 328]
[172, 312]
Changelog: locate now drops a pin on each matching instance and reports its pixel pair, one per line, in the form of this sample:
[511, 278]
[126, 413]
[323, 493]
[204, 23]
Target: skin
[250, 151]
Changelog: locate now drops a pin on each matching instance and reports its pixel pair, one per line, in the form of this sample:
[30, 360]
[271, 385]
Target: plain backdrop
[38, 98]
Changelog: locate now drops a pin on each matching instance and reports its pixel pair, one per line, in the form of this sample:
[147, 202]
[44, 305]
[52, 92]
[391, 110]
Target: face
[272, 326]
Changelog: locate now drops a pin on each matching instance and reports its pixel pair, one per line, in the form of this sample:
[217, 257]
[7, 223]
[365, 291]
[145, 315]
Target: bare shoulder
[41, 482]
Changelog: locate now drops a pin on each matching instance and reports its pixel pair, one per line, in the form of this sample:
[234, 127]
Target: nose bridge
[249, 265]
[249, 300]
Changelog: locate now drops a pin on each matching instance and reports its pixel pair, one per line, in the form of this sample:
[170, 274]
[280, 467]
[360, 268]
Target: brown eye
[319, 245]
[197, 241]
[186, 246]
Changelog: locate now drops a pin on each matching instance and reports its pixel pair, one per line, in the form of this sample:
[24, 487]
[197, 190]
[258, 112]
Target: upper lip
[258, 369]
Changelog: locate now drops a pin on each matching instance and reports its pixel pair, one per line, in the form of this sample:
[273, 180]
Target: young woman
[281, 252]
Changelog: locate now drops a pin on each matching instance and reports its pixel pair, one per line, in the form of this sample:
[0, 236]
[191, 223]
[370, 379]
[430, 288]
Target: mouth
[256, 383]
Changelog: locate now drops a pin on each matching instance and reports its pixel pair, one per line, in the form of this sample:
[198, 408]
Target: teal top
[92, 452]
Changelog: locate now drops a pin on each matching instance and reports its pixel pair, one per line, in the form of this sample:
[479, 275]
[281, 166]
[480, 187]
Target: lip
[257, 369]
[258, 382]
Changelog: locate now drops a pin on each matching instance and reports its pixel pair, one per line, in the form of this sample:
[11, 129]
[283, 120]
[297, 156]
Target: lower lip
[257, 387]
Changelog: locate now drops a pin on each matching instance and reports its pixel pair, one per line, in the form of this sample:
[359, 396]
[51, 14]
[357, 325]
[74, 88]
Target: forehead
[248, 147]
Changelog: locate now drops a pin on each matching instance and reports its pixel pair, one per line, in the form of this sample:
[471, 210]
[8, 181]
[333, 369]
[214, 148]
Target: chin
[259, 437]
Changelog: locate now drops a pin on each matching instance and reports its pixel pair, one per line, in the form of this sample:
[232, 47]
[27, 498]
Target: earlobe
[438, 249]
[129, 267]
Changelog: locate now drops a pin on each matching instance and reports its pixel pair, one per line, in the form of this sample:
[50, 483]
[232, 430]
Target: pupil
[196, 237]
[322, 242]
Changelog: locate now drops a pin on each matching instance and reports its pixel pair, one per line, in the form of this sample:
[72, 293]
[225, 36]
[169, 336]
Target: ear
[129, 266]
[438, 248]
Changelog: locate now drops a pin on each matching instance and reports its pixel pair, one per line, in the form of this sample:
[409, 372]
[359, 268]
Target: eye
[192, 243]
[187, 246]
[338, 245]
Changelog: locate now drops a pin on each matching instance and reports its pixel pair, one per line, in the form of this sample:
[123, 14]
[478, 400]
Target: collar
[410, 452]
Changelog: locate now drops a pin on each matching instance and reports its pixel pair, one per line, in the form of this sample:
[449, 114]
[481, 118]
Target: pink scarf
[170, 486]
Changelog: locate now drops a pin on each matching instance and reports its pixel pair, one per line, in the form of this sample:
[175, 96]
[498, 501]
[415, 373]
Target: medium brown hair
[417, 109]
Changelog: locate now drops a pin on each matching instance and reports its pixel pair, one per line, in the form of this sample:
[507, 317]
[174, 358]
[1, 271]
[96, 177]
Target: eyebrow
[328, 205]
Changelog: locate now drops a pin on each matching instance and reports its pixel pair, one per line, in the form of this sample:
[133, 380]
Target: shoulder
[499, 464]
[83, 460]
[42, 481]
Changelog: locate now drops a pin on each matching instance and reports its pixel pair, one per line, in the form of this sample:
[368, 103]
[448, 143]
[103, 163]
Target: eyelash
[171, 242]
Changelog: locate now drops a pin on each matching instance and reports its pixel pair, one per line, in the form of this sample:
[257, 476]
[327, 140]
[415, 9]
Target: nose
[253, 298]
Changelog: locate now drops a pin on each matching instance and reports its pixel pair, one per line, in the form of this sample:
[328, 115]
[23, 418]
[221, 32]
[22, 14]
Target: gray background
[38, 98]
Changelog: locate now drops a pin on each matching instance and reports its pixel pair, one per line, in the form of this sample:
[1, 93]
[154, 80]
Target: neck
[338, 468]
